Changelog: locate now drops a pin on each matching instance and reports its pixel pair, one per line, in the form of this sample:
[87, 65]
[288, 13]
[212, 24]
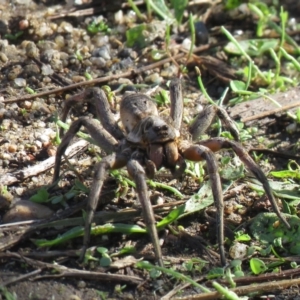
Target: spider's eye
[160, 128]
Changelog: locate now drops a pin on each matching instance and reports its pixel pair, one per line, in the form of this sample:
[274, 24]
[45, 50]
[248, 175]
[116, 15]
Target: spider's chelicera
[147, 143]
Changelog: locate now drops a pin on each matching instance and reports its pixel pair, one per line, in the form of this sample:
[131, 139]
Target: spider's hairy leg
[96, 97]
[137, 172]
[176, 102]
[103, 139]
[198, 153]
[113, 161]
[104, 113]
[72, 100]
[217, 144]
[206, 117]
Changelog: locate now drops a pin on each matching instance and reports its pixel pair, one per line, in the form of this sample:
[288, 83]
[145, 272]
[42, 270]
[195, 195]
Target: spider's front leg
[103, 139]
[198, 153]
[137, 172]
[113, 161]
[96, 97]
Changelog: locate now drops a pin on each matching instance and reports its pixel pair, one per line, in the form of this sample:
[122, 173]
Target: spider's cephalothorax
[148, 143]
[158, 139]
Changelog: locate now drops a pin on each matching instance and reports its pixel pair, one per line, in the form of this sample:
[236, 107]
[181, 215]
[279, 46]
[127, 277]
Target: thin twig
[270, 112]
[274, 153]
[108, 78]
[8, 179]
[68, 272]
[248, 289]
[266, 277]
[21, 278]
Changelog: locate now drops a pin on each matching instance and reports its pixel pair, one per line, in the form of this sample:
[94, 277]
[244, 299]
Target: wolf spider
[146, 143]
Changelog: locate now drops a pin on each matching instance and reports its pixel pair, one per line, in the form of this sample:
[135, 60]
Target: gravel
[53, 52]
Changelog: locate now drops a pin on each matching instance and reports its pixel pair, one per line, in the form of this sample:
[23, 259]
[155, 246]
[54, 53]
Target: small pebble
[99, 41]
[102, 52]
[21, 147]
[154, 78]
[238, 251]
[81, 284]
[78, 78]
[41, 124]
[60, 41]
[119, 17]
[160, 201]
[33, 148]
[31, 50]
[44, 138]
[5, 156]
[23, 24]
[98, 62]
[26, 210]
[291, 128]
[34, 179]
[47, 70]
[3, 57]
[12, 148]
[38, 144]
[169, 71]
[20, 82]
[74, 297]
[51, 151]
[26, 104]
[65, 27]
[186, 44]
[19, 191]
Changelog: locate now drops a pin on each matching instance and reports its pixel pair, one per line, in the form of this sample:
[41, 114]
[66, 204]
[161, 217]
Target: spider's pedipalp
[176, 98]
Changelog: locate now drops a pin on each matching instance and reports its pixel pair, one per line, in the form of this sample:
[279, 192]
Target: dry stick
[97, 276]
[68, 272]
[270, 112]
[22, 230]
[101, 217]
[247, 281]
[108, 78]
[244, 290]
[274, 153]
[251, 284]
[177, 289]
[21, 278]
[8, 179]
[266, 277]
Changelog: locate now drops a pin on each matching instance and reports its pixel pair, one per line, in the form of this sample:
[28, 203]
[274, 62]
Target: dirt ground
[55, 51]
